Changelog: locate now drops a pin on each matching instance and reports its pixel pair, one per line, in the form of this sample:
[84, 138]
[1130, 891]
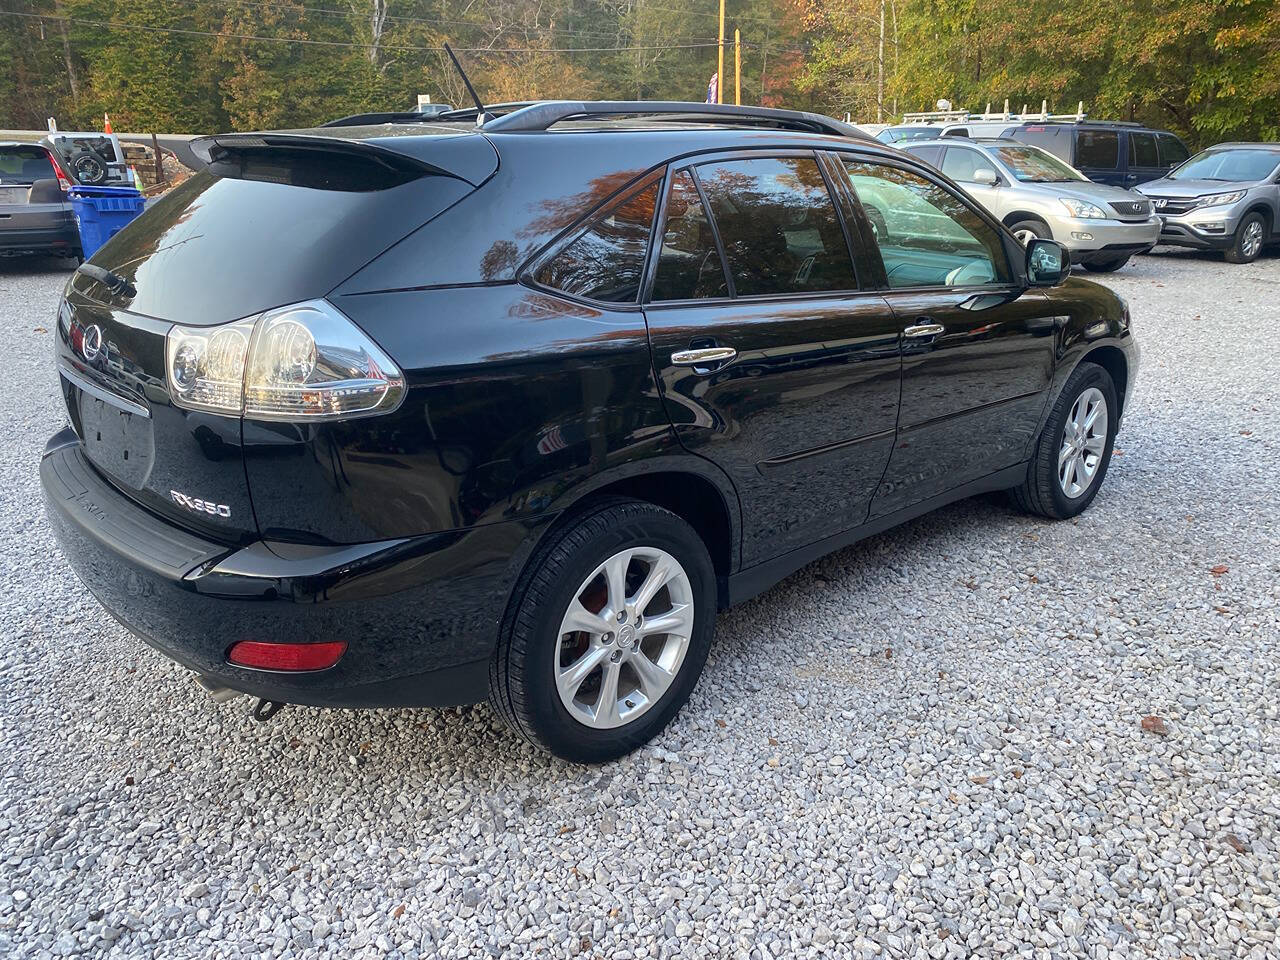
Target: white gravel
[928, 745]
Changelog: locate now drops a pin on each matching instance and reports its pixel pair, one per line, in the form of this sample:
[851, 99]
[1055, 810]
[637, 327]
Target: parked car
[536, 399]
[90, 158]
[907, 133]
[1035, 194]
[1225, 198]
[35, 216]
[1121, 154]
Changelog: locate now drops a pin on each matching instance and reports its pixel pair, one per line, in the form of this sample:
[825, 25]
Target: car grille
[1133, 208]
[1171, 206]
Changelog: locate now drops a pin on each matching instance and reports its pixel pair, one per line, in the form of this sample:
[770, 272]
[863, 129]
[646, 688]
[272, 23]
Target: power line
[117, 25]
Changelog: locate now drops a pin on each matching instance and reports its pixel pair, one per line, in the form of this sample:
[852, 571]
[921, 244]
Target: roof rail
[540, 116]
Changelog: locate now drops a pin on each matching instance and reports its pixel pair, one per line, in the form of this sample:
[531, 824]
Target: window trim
[690, 162]
[527, 274]
[1132, 147]
[1017, 279]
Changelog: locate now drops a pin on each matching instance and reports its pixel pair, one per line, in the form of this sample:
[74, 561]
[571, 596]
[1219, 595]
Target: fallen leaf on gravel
[398, 911]
[1017, 774]
[1219, 570]
[1246, 433]
[1117, 453]
[128, 781]
[1156, 725]
[565, 829]
[720, 723]
[979, 780]
[39, 330]
[1222, 609]
[888, 653]
[773, 741]
[1236, 843]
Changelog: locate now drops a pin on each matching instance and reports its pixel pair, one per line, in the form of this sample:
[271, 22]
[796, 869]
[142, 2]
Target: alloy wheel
[1251, 241]
[623, 639]
[1024, 237]
[1084, 440]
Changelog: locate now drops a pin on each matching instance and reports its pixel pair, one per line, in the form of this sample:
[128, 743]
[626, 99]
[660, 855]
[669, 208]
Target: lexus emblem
[92, 344]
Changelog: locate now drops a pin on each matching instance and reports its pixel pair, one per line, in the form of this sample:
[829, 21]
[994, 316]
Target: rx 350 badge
[201, 506]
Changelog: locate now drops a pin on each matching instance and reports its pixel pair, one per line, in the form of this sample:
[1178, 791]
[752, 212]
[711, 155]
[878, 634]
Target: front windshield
[901, 134]
[1033, 165]
[1229, 166]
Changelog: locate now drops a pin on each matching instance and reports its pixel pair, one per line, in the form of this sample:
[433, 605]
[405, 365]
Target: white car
[1037, 195]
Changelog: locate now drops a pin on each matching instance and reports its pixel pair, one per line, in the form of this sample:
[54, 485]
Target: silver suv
[1037, 195]
[1225, 198]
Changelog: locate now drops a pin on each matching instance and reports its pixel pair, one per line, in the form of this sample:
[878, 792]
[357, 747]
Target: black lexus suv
[410, 411]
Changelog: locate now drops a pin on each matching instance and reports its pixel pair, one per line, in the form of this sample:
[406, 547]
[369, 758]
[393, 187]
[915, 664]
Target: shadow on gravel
[31, 266]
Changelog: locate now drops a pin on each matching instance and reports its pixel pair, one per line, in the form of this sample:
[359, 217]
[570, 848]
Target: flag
[713, 89]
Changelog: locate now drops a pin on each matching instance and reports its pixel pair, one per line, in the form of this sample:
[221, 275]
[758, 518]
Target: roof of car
[1243, 145]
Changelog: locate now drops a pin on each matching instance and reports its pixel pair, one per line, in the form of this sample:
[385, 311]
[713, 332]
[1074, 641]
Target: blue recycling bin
[101, 213]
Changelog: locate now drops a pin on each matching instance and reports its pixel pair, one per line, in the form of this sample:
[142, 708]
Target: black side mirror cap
[1048, 263]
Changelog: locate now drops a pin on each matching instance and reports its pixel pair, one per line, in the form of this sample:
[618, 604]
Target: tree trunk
[72, 79]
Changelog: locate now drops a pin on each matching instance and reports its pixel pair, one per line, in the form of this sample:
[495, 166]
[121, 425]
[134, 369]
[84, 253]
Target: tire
[1036, 228]
[1044, 492]
[89, 169]
[1106, 266]
[534, 653]
[1250, 237]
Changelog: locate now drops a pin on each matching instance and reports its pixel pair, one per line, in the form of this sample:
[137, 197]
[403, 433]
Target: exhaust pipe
[217, 693]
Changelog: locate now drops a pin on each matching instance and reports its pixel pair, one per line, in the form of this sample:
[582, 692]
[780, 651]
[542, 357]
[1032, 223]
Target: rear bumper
[62, 239]
[420, 615]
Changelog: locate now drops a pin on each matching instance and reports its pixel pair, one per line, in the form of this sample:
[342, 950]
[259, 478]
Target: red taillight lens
[63, 180]
[286, 656]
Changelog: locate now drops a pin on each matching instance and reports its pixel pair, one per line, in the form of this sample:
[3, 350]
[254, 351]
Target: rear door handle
[924, 330]
[703, 356]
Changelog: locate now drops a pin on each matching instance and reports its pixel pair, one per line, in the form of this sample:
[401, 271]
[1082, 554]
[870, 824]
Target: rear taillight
[302, 362]
[63, 180]
[286, 657]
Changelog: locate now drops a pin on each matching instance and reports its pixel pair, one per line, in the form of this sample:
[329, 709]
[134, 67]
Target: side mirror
[987, 177]
[1048, 263]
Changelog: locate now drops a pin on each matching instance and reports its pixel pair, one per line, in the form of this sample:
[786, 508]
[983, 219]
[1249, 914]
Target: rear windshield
[25, 164]
[1231, 166]
[901, 134]
[220, 248]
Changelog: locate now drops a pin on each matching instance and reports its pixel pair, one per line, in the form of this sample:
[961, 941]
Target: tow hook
[264, 710]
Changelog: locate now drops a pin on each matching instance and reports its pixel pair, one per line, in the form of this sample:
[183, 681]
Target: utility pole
[880, 70]
[737, 66]
[720, 64]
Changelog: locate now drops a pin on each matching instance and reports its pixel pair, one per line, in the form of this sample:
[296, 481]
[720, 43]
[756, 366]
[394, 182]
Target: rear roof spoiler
[464, 157]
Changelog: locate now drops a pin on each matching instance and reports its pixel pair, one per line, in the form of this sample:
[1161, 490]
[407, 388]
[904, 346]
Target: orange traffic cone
[106, 124]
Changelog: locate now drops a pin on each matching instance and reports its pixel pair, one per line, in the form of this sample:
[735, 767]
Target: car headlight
[1083, 209]
[302, 362]
[1219, 199]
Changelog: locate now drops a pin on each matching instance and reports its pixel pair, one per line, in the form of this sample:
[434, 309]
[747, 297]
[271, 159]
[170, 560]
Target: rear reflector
[286, 656]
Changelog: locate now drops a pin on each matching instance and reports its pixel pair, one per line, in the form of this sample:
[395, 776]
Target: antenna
[481, 116]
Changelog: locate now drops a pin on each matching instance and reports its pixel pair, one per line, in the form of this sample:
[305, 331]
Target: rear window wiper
[113, 281]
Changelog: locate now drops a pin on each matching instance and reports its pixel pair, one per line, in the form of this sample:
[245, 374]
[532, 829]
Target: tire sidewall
[1038, 227]
[566, 735]
[1087, 375]
[1236, 253]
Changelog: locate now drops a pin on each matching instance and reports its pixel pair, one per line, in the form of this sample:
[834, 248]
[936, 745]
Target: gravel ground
[928, 745]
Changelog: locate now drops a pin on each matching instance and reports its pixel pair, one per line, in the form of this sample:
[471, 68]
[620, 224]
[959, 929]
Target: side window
[689, 267]
[1142, 150]
[606, 261]
[1172, 150]
[930, 155]
[927, 236]
[1097, 148]
[957, 132]
[962, 164]
[778, 226]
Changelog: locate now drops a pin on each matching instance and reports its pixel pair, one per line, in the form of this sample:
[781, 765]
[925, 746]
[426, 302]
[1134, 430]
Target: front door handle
[924, 330]
[703, 356]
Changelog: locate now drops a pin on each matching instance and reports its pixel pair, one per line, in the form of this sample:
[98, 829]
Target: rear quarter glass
[220, 248]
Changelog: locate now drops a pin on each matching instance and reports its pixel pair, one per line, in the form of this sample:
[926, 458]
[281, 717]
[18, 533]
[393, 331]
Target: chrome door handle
[703, 356]
[924, 330]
